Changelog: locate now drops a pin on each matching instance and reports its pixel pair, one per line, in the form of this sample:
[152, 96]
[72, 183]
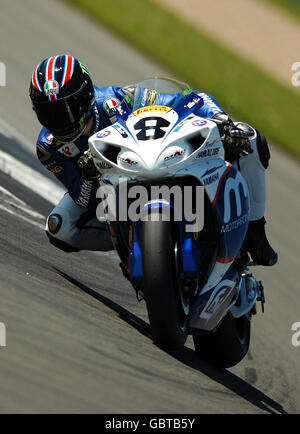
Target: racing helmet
[62, 95]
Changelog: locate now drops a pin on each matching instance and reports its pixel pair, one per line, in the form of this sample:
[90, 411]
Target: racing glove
[235, 140]
[87, 167]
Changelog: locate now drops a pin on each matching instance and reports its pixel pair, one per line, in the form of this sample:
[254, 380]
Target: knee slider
[54, 223]
[263, 149]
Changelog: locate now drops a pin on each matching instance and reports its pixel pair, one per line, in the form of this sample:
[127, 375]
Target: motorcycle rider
[71, 109]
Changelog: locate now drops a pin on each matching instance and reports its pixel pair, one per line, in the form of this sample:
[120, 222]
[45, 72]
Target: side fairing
[231, 204]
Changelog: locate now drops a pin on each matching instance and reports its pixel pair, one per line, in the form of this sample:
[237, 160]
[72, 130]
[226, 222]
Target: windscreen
[165, 85]
[159, 84]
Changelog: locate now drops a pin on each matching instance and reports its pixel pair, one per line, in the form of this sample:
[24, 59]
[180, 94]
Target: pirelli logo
[152, 108]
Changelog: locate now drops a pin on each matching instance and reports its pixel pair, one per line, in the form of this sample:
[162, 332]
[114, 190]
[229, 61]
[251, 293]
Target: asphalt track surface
[76, 338]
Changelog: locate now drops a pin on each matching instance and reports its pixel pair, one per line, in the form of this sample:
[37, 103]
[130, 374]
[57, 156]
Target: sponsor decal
[150, 108]
[208, 153]
[103, 134]
[143, 101]
[176, 154]
[199, 123]
[192, 103]
[69, 149]
[49, 139]
[209, 171]
[235, 224]
[212, 143]
[233, 184]
[209, 101]
[152, 95]
[220, 294]
[120, 110]
[120, 130]
[179, 126]
[210, 179]
[85, 193]
[128, 161]
[83, 68]
[110, 106]
[56, 169]
[51, 87]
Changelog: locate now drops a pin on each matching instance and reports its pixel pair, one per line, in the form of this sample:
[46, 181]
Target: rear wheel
[167, 304]
[228, 345]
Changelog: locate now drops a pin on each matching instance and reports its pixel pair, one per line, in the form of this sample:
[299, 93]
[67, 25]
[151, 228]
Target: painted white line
[30, 178]
[27, 176]
[15, 202]
[28, 220]
[10, 132]
[11, 196]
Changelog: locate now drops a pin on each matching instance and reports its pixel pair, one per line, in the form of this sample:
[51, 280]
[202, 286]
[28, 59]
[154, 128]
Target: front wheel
[167, 306]
[228, 345]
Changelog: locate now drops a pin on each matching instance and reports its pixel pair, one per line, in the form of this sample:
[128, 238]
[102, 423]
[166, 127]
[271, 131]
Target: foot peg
[261, 296]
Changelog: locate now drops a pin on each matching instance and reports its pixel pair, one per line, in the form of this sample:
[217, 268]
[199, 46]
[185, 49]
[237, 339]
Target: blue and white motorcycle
[190, 269]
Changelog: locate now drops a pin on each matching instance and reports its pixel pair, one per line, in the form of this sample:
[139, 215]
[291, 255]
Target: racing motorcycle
[190, 269]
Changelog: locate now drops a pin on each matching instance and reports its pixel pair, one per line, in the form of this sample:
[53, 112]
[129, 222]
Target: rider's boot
[257, 244]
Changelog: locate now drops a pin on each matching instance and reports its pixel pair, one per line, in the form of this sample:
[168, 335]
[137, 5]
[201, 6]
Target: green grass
[244, 91]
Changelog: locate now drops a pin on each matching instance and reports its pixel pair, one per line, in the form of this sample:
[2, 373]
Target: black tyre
[167, 307]
[228, 345]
